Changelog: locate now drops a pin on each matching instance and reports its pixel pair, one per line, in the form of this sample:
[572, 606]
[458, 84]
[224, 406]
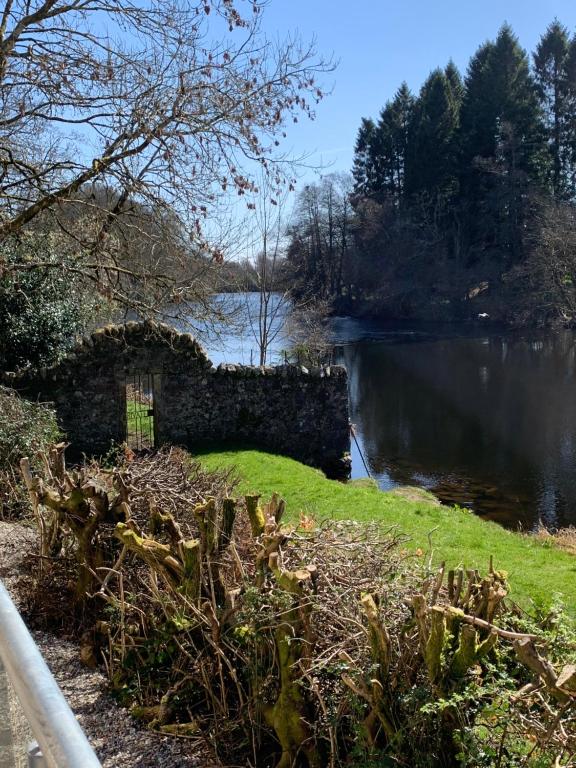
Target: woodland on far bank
[461, 201]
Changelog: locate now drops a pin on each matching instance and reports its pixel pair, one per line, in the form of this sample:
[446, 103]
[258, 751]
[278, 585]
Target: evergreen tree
[363, 170]
[503, 147]
[500, 90]
[431, 165]
[477, 126]
[455, 81]
[550, 70]
[390, 144]
[570, 118]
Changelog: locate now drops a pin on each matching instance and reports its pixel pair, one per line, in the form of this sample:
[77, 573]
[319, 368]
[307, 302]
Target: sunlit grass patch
[537, 570]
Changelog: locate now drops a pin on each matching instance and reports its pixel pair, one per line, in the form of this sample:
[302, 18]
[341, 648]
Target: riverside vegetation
[273, 637]
[285, 639]
[461, 199]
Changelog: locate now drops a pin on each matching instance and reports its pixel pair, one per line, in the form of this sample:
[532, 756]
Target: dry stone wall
[285, 409]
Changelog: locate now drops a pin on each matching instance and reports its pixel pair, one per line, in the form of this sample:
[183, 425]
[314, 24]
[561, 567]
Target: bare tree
[320, 237]
[265, 317]
[543, 287]
[167, 106]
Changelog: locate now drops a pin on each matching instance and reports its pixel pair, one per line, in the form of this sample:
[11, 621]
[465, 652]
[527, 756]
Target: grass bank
[537, 569]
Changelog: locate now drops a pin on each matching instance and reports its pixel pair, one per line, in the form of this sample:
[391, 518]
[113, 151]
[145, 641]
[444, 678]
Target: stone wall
[285, 409]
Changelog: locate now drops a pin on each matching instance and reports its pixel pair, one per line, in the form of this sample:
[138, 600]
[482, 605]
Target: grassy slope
[536, 570]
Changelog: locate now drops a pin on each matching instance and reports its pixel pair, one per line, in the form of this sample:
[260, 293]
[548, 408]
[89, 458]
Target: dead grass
[563, 538]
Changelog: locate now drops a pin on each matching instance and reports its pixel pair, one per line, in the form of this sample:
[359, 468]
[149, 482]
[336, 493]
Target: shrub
[310, 646]
[41, 308]
[25, 429]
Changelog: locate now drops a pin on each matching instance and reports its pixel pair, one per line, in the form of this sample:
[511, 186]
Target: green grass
[140, 426]
[536, 570]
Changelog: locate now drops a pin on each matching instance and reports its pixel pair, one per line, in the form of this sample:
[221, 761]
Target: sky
[380, 43]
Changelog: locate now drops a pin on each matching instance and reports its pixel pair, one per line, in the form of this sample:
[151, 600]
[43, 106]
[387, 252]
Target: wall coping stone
[133, 334]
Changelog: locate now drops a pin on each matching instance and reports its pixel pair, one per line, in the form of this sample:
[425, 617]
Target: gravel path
[15, 733]
[15, 542]
[118, 739]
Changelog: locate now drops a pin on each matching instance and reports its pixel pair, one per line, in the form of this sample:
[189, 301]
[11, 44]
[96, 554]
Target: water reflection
[484, 419]
[488, 421]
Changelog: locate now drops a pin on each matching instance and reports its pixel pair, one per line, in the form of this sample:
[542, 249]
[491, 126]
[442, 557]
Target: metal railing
[61, 741]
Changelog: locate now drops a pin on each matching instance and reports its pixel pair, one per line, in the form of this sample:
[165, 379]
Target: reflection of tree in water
[484, 422]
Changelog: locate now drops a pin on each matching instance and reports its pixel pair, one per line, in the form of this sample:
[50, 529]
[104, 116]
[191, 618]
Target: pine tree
[390, 144]
[362, 169]
[431, 159]
[503, 146]
[570, 116]
[477, 124]
[550, 70]
[500, 90]
[455, 81]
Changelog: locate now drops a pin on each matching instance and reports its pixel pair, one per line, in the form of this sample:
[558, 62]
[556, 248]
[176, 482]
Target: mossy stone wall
[285, 409]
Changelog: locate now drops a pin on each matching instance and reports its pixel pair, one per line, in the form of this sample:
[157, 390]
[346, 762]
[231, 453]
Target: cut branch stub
[207, 518]
[57, 461]
[271, 544]
[159, 522]
[256, 515]
[158, 556]
[192, 560]
[32, 493]
[228, 518]
[529, 656]
[290, 581]
[379, 637]
[420, 613]
[274, 509]
[469, 652]
[567, 680]
[464, 655]
[435, 644]
[379, 717]
[290, 715]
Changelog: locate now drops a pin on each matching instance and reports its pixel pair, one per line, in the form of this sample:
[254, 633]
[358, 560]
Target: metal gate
[140, 431]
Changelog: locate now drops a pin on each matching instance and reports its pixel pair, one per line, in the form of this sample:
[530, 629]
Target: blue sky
[379, 43]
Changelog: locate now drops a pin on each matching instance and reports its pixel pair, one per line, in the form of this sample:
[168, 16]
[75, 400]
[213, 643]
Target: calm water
[486, 420]
[482, 418]
[235, 340]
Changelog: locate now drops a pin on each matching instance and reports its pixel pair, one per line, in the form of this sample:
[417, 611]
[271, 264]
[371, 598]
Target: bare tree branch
[170, 106]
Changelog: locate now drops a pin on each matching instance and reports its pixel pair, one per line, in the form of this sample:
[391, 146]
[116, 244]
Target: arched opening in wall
[141, 430]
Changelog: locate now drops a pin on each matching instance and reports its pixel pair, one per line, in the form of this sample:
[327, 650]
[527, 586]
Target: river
[483, 418]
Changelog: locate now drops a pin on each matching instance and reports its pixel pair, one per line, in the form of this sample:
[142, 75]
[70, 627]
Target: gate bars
[140, 431]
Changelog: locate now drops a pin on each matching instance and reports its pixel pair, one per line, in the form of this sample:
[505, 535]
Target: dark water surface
[484, 419]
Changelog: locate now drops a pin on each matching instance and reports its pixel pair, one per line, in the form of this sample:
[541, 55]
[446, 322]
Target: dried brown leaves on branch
[126, 124]
[310, 645]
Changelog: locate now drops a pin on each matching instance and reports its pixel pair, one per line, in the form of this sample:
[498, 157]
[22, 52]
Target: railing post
[35, 756]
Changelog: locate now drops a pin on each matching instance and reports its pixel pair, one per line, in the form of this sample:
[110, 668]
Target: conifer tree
[476, 122]
[500, 90]
[551, 75]
[362, 169]
[390, 144]
[503, 146]
[432, 150]
[455, 81]
[570, 118]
